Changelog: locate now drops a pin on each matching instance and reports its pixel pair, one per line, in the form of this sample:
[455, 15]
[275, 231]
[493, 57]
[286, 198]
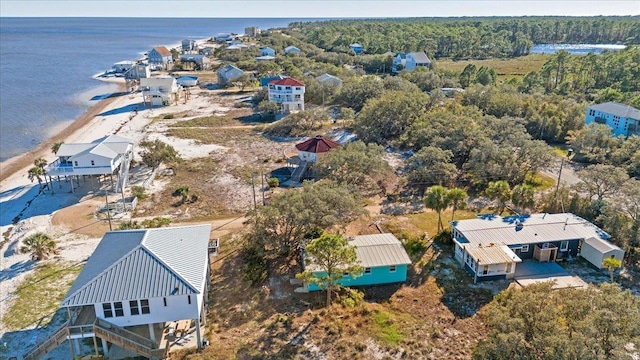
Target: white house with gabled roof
[134, 284]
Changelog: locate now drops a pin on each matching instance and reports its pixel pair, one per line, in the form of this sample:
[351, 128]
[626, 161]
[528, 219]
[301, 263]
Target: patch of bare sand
[81, 219]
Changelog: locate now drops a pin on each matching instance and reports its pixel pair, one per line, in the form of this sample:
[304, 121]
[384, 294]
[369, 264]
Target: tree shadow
[16, 269]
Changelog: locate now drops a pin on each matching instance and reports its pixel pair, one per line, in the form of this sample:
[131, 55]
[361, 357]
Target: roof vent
[319, 137]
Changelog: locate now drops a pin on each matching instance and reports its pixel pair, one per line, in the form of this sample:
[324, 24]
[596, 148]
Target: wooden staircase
[114, 334]
[298, 173]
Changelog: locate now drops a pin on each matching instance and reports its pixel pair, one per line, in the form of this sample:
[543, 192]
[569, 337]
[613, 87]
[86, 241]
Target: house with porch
[227, 74]
[197, 61]
[623, 119]
[289, 93]
[160, 57]
[160, 90]
[490, 246]
[308, 152]
[383, 257]
[104, 156]
[189, 45]
[135, 285]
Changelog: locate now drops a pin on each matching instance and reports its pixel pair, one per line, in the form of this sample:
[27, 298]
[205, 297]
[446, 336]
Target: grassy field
[39, 295]
[504, 68]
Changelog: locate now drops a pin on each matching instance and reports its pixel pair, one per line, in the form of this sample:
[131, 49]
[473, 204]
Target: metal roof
[526, 229]
[379, 250]
[601, 245]
[488, 255]
[420, 57]
[107, 146]
[617, 109]
[139, 264]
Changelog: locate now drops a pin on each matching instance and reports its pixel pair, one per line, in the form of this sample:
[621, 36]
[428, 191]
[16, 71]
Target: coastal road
[569, 170]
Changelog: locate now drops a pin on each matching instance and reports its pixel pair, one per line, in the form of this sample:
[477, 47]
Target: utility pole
[106, 200]
[559, 174]
[262, 184]
[253, 188]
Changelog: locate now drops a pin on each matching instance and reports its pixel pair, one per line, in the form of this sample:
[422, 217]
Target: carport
[531, 271]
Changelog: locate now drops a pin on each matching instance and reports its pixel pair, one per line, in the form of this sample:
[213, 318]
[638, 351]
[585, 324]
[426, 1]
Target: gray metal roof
[328, 78]
[420, 57]
[379, 250]
[488, 255]
[141, 264]
[601, 245]
[526, 229]
[617, 109]
[107, 146]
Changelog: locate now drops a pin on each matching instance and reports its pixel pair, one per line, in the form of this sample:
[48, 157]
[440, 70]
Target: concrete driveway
[531, 271]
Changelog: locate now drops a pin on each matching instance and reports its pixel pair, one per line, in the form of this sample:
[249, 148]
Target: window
[144, 306]
[485, 270]
[189, 299]
[106, 308]
[564, 246]
[288, 88]
[392, 268]
[297, 88]
[118, 309]
[164, 300]
[93, 163]
[133, 306]
[75, 163]
[367, 271]
[525, 248]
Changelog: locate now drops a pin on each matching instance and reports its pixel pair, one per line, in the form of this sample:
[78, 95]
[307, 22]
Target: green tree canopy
[437, 199]
[156, 152]
[499, 191]
[40, 245]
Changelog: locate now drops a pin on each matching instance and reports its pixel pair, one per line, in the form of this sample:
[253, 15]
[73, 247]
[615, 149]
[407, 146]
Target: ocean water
[46, 65]
[575, 49]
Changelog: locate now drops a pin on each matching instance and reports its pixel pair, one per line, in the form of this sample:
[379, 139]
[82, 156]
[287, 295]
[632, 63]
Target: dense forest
[468, 37]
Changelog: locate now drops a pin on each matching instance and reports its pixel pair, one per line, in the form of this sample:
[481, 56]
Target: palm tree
[436, 199]
[56, 146]
[41, 163]
[36, 173]
[40, 245]
[611, 264]
[523, 196]
[501, 191]
[457, 199]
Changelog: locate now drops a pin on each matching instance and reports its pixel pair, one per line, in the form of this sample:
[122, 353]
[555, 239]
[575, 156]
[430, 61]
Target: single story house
[227, 74]
[490, 246]
[161, 57]
[188, 45]
[160, 90]
[383, 257]
[329, 80]
[267, 51]
[291, 50]
[356, 48]
[623, 119]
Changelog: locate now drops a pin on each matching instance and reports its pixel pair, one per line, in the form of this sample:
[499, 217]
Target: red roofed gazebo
[310, 150]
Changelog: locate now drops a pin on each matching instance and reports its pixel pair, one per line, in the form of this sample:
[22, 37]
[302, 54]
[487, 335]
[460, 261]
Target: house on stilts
[140, 292]
[108, 155]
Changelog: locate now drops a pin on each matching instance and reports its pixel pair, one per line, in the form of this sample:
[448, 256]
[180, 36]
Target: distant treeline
[473, 38]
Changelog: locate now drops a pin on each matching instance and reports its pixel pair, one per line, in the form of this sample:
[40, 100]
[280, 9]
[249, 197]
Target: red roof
[317, 144]
[287, 81]
[162, 50]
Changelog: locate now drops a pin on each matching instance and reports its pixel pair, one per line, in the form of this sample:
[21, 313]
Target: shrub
[255, 264]
[415, 246]
[129, 225]
[273, 182]
[168, 116]
[351, 297]
[139, 192]
[156, 222]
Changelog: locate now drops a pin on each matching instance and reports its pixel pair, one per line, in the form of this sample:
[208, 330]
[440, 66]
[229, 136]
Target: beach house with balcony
[623, 119]
[136, 285]
[490, 246]
[189, 45]
[160, 57]
[160, 90]
[104, 156]
[383, 258]
[289, 93]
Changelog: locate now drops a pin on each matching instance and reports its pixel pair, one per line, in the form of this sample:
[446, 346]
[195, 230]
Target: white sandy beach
[21, 198]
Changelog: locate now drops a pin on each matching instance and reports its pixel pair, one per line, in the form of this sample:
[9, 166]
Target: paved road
[568, 176]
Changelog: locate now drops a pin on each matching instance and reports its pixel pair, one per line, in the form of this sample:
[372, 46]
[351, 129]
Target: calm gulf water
[46, 65]
[575, 49]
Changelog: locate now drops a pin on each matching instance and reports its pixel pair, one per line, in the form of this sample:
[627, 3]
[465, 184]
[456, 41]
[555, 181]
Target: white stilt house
[134, 286]
[104, 156]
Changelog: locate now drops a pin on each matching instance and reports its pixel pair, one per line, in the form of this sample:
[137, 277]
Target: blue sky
[314, 8]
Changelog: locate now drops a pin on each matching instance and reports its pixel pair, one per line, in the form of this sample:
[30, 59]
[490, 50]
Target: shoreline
[17, 163]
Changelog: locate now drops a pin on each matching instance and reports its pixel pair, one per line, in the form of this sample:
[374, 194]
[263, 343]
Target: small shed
[595, 250]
